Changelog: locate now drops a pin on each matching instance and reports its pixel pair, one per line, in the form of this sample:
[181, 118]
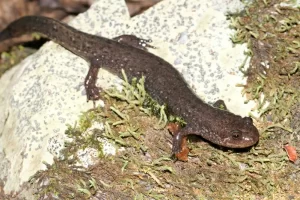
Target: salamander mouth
[243, 142]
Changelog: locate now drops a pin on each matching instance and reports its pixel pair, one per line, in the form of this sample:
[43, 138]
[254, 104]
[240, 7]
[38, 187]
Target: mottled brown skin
[163, 81]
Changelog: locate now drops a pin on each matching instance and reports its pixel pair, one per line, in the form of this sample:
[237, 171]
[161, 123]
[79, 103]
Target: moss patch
[272, 31]
[144, 169]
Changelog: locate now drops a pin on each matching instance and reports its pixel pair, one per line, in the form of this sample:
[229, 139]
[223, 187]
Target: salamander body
[163, 82]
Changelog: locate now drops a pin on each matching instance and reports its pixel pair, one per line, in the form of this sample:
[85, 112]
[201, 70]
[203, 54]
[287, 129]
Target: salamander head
[238, 133]
[233, 132]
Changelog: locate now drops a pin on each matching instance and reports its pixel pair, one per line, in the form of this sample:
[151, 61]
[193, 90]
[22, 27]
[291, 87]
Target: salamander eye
[236, 134]
[248, 120]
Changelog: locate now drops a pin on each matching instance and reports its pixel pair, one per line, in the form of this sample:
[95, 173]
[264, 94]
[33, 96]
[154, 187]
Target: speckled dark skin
[163, 82]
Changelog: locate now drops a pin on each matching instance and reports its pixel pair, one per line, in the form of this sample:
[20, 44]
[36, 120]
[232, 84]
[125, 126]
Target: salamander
[163, 82]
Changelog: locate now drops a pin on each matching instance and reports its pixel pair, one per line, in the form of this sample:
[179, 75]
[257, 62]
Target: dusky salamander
[163, 82]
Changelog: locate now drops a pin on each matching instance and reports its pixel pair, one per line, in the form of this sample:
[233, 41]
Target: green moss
[271, 31]
[274, 65]
[146, 162]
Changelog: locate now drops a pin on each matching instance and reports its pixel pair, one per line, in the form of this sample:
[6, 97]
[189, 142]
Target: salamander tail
[4, 35]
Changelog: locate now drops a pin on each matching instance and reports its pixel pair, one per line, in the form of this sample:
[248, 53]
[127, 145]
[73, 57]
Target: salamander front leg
[179, 148]
[92, 92]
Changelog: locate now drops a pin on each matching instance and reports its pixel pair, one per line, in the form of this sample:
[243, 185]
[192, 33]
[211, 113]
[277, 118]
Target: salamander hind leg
[220, 104]
[134, 41]
[92, 91]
